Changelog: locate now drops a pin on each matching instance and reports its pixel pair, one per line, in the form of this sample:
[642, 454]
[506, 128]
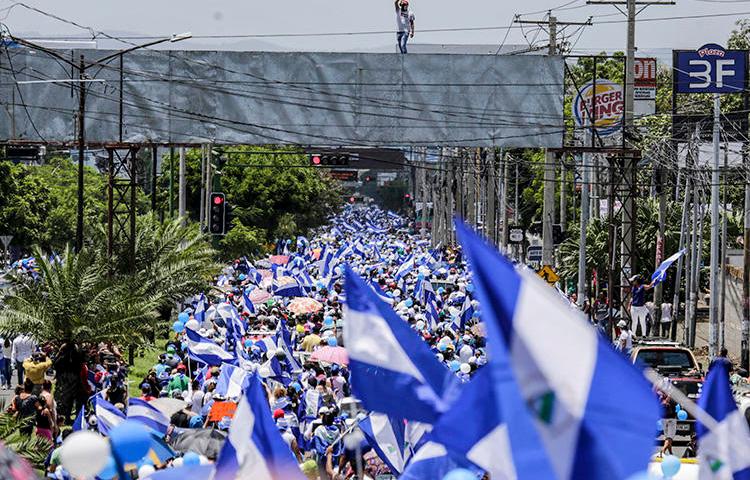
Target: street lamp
[82, 67]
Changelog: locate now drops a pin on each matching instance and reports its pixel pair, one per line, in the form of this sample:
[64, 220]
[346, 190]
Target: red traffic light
[218, 200]
[352, 199]
[315, 159]
[407, 196]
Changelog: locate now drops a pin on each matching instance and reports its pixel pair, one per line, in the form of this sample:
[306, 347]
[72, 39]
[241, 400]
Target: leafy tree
[24, 202]
[243, 241]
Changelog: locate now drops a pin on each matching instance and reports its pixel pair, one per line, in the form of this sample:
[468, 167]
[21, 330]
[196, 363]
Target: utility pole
[585, 185]
[563, 196]
[550, 163]
[504, 203]
[81, 151]
[713, 312]
[661, 190]
[680, 261]
[492, 194]
[182, 189]
[154, 158]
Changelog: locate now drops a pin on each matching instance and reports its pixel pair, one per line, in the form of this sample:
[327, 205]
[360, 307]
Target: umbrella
[335, 355]
[259, 296]
[168, 406]
[194, 472]
[279, 259]
[263, 264]
[203, 441]
[303, 305]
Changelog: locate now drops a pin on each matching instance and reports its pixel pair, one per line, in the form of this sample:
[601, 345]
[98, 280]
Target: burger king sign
[600, 104]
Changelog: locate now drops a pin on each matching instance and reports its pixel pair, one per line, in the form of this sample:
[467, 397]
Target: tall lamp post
[81, 66]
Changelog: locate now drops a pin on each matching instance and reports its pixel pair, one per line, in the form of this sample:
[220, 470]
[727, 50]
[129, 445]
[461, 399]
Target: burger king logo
[601, 108]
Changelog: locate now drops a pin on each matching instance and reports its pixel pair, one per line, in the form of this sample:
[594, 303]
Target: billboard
[600, 103]
[710, 69]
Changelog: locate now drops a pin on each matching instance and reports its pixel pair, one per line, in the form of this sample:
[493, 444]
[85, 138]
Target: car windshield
[656, 358]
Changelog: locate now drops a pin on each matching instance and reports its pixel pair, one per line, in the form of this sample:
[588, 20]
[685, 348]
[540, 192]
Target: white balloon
[465, 353]
[193, 325]
[420, 325]
[465, 368]
[177, 462]
[145, 471]
[204, 460]
[84, 454]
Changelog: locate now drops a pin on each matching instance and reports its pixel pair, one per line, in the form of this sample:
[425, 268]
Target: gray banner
[333, 99]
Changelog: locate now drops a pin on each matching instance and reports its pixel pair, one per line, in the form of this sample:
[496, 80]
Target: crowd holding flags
[459, 361]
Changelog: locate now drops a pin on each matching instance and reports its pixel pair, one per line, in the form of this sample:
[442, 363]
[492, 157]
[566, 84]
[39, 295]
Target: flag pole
[666, 387]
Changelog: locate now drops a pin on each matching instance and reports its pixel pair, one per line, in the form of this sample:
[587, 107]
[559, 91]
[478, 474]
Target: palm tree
[32, 448]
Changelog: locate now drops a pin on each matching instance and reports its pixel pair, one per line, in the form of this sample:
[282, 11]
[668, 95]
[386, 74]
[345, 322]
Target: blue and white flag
[386, 435]
[253, 274]
[254, 448]
[467, 312]
[724, 450]
[430, 461]
[661, 272]
[290, 289]
[302, 244]
[107, 416]
[232, 381]
[492, 428]
[142, 411]
[432, 315]
[247, 303]
[200, 309]
[206, 350]
[385, 354]
[405, 268]
[80, 422]
[586, 405]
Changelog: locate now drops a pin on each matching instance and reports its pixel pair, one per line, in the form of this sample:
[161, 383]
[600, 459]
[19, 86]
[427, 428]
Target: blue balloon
[380, 271]
[476, 314]
[420, 276]
[441, 347]
[470, 287]
[677, 407]
[328, 321]
[191, 458]
[441, 290]
[682, 415]
[409, 302]
[460, 474]
[110, 470]
[455, 365]
[242, 277]
[248, 343]
[183, 317]
[130, 440]
[332, 341]
[670, 465]
[178, 327]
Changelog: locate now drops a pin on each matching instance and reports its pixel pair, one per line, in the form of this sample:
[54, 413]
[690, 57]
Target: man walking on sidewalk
[404, 23]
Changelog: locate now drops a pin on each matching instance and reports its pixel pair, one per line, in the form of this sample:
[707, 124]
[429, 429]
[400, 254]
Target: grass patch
[145, 358]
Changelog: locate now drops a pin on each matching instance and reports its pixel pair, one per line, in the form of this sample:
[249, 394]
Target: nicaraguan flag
[405, 268]
[200, 309]
[107, 416]
[232, 381]
[492, 428]
[205, 350]
[432, 315]
[723, 451]
[386, 436]
[290, 289]
[80, 422]
[253, 274]
[247, 303]
[586, 405]
[430, 461]
[302, 244]
[467, 312]
[386, 355]
[142, 411]
[254, 448]
[661, 272]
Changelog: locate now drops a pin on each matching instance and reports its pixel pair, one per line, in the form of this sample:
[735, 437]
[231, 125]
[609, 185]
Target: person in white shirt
[404, 24]
[22, 349]
[666, 319]
[625, 340]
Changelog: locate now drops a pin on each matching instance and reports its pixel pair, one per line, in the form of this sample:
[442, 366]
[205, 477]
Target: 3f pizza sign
[710, 69]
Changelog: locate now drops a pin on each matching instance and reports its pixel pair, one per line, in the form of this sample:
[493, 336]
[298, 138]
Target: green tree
[242, 241]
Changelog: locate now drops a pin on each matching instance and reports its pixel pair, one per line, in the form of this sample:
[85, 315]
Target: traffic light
[217, 218]
[329, 159]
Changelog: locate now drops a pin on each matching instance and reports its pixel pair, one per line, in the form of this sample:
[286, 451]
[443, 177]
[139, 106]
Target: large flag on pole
[661, 272]
[386, 436]
[142, 411]
[386, 355]
[254, 448]
[594, 411]
[724, 450]
[205, 350]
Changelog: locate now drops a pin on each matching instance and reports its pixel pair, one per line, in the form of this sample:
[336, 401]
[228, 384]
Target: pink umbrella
[279, 259]
[335, 355]
[259, 296]
[303, 305]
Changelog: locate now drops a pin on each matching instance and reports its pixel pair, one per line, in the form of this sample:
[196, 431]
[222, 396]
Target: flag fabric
[723, 451]
[385, 354]
[432, 315]
[142, 411]
[430, 461]
[586, 406]
[661, 271]
[80, 422]
[200, 309]
[405, 268]
[205, 350]
[232, 381]
[491, 426]
[254, 448]
[290, 289]
[247, 303]
[386, 435]
[467, 312]
[253, 274]
[107, 416]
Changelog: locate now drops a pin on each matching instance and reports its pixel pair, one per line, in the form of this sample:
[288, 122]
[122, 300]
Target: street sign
[710, 69]
[547, 273]
[344, 175]
[516, 235]
[534, 254]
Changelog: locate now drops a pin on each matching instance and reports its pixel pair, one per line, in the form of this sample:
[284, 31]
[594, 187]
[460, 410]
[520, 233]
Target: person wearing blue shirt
[638, 309]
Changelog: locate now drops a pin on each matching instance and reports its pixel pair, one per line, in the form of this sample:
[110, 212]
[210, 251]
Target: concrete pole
[563, 196]
[491, 213]
[504, 203]
[659, 257]
[182, 189]
[585, 185]
[548, 207]
[681, 260]
[713, 312]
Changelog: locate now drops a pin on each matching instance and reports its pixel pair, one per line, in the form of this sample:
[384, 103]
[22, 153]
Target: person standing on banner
[638, 308]
[404, 23]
